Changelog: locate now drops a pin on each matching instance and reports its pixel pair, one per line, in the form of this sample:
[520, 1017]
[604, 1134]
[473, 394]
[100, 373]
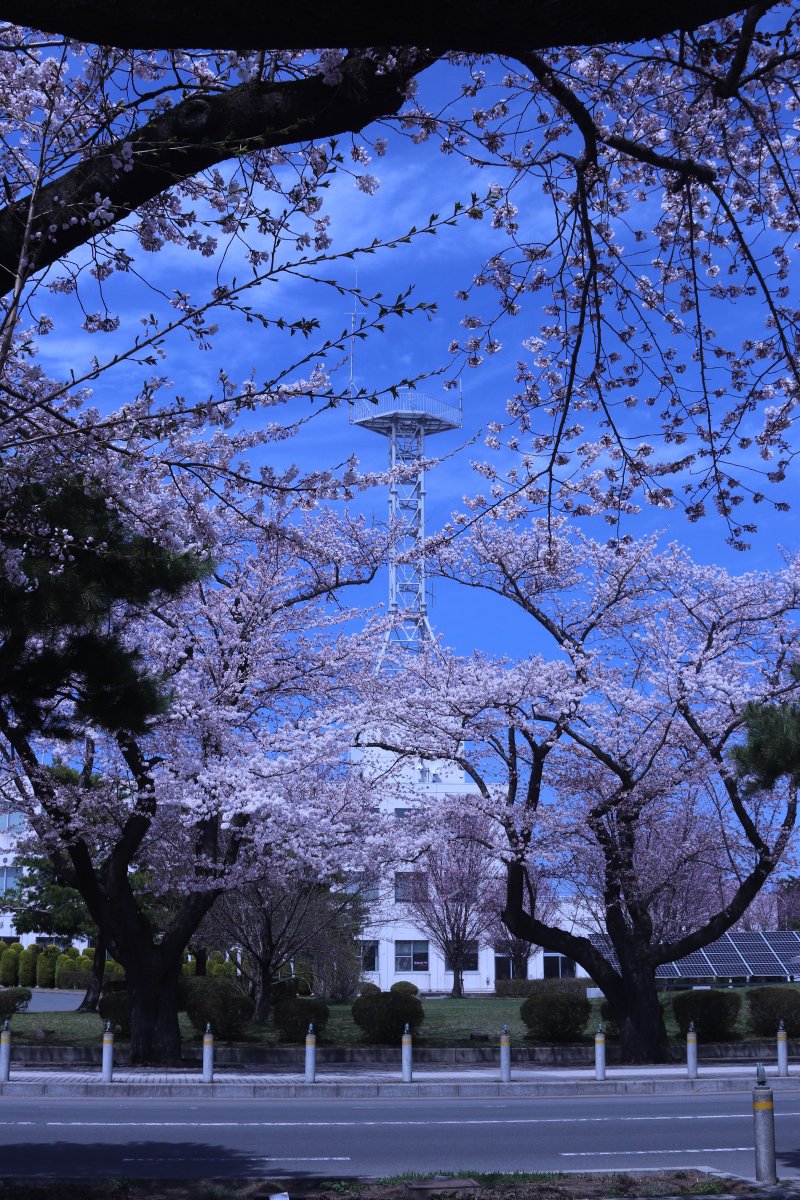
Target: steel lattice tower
[406, 419]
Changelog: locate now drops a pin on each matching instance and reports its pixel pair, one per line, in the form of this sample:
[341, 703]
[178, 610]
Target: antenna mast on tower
[405, 419]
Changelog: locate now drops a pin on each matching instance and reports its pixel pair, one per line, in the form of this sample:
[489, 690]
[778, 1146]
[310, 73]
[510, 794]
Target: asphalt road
[280, 1139]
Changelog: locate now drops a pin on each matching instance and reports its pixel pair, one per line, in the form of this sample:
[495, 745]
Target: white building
[393, 947]
[11, 824]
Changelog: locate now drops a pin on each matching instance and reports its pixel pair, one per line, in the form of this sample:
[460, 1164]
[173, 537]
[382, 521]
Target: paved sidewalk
[356, 1080]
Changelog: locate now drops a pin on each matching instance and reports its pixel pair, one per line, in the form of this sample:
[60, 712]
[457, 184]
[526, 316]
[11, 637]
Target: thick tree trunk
[637, 1008]
[153, 999]
[458, 982]
[263, 982]
[92, 995]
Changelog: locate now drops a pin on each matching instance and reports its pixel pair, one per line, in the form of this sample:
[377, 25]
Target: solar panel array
[734, 955]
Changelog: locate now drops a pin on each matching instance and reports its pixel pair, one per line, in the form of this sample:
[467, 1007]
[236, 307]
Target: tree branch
[443, 25]
[198, 133]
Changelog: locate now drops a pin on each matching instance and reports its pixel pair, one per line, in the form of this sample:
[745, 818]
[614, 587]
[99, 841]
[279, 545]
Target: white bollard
[208, 1055]
[783, 1051]
[691, 1052]
[600, 1053]
[505, 1056]
[311, 1055]
[108, 1055]
[5, 1053]
[764, 1122]
[406, 1052]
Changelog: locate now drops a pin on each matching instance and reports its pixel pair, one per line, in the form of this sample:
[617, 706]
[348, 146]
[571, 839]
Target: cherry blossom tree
[244, 764]
[454, 894]
[607, 767]
[640, 176]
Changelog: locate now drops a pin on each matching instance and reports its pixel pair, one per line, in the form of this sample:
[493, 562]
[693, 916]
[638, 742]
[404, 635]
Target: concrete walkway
[358, 1080]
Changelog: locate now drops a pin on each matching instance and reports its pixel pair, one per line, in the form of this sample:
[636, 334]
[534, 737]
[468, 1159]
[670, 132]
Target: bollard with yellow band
[600, 1053]
[764, 1128]
[691, 1052]
[311, 1055]
[505, 1056]
[406, 1055]
[5, 1053]
[783, 1051]
[208, 1055]
[108, 1054]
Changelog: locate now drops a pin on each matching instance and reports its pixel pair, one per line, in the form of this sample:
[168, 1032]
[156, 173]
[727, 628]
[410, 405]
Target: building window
[409, 885]
[13, 821]
[368, 952]
[556, 966]
[411, 956]
[8, 878]
[366, 889]
[470, 958]
[401, 812]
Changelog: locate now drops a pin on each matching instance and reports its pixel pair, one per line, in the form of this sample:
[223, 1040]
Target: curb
[266, 1090]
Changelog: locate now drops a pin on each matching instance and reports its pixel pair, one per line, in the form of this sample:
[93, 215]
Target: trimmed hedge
[556, 1017]
[770, 1005]
[215, 1001]
[27, 968]
[13, 1000]
[520, 988]
[714, 1013]
[293, 1016]
[114, 1007]
[383, 1017]
[65, 965]
[405, 988]
[9, 968]
[45, 970]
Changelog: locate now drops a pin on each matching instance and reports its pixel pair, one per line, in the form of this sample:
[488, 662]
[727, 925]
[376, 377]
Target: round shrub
[714, 1013]
[217, 1002]
[560, 1017]
[18, 946]
[369, 989]
[770, 1005]
[83, 965]
[223, 970]
[113, 1007]
[293, 1016]
[404, 987]
[72, 952]
[65, 964]
[383, 1017]
[88, 952]
[9, 968]
[35, 948]
[284, 989]
[27, 968]
[3, 946]
[13, 1000]
[45, 971]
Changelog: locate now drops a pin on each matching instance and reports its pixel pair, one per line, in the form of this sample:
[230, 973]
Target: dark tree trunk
[263, 986]
[90, 999]
[153, 998]
[637, 1008]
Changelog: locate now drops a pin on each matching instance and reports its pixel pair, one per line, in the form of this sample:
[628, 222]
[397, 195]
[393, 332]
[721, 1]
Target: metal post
[691, 1052]
[600, 1053]
[311, 1055]
[5, 1053]
[208, 1055]
[783, 1051]
[505, 1056]
[407, 1055]
[764, 1122]
[108, 1054]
